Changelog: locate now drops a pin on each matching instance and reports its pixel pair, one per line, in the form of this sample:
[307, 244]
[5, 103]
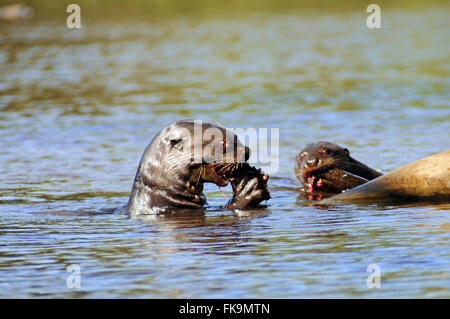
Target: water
[78, 107]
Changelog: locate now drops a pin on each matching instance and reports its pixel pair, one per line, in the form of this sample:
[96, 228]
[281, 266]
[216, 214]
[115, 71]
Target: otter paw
[249, 190]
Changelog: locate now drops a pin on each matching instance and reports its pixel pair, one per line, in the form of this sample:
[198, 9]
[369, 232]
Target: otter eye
[175, 141]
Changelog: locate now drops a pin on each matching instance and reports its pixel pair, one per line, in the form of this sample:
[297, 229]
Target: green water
[78, 107]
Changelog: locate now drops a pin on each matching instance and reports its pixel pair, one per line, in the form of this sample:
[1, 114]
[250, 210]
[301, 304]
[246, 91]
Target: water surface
[78, 107]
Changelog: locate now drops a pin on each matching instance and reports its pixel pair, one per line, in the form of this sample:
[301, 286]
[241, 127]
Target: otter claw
[250, 190]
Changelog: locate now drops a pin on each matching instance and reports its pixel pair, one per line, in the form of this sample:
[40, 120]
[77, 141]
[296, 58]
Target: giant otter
[427, 179]
[185, 155]
[329, 168]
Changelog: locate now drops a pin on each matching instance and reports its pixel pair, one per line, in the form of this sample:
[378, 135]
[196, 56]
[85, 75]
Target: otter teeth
[314, 182]
[319, 183]
[311, 183]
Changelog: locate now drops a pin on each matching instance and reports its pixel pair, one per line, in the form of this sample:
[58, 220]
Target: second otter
[327, 167]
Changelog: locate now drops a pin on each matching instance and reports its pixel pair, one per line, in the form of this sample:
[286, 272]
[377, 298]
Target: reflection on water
[78, 107]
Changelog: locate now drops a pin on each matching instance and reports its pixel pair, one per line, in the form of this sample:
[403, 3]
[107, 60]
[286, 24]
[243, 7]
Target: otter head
[327, 167]
[179, 160]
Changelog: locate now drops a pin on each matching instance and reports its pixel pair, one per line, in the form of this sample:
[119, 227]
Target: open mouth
[315, 180]
[223, 173]
[331, 178]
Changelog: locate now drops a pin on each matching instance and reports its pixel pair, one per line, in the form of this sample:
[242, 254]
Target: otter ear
[346, 151]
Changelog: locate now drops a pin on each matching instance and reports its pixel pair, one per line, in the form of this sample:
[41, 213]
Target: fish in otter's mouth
[222, 173]
[225, 172]
[249, 184]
